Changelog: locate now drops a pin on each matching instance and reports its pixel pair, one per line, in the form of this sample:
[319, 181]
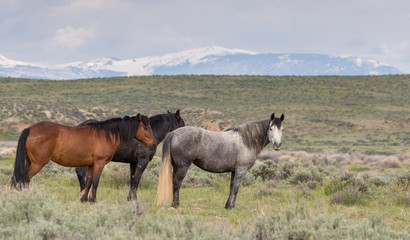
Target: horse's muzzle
[152, 147]
[276, 146]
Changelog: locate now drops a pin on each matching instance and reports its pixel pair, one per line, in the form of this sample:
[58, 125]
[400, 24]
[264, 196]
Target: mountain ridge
[212, 60]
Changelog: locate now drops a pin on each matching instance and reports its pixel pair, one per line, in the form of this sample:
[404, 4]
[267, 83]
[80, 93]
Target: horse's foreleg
[82, 176]
[98, 167]
[136, 171]
[84, 192]
[236, 180]
[178, 176]
[232, 178]
[132, 195]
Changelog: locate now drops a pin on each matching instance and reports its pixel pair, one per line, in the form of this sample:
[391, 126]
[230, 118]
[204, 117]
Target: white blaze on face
[275, 136]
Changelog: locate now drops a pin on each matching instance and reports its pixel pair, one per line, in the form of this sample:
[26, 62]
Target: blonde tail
[164, 192]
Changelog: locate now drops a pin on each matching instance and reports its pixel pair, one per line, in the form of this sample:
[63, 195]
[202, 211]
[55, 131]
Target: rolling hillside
[369, 113]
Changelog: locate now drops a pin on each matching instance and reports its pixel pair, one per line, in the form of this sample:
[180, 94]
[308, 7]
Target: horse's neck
[159, 135]
[160, 130]
[118, 143]
[260, 140]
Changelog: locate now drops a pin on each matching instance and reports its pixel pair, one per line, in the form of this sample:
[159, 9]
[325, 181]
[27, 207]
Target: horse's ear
[139, 117]
[282, 117]
[272, 117]
[177, 115]
[168, 111]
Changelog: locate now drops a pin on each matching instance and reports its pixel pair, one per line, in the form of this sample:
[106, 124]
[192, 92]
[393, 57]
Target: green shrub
[268, 189]
[266, 171]
[198, 177]
[347, 196]
[300, 224]
[378, 181]
[337, 184]
[286, 170]
[311, 175]
[404, 180]
[400, 188]
[115, 175]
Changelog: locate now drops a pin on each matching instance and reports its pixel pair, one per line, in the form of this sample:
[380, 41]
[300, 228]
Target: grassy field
[344, 172]
[291, 195]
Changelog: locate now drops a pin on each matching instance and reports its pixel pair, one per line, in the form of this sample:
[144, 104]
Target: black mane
[254, 134]
[122, 129]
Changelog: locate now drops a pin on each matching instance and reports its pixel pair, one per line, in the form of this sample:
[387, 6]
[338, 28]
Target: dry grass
[389, 161]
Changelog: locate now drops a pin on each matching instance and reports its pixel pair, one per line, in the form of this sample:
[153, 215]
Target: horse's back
[209, 150]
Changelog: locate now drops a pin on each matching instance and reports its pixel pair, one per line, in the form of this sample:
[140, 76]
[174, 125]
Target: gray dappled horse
[234, 150]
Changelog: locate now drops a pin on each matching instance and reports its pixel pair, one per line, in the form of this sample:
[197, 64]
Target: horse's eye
[283, 129]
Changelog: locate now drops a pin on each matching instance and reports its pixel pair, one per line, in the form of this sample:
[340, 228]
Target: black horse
[135, 153]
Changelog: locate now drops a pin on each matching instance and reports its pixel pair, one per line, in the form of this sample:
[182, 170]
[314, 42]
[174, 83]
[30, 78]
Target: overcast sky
[51, 32]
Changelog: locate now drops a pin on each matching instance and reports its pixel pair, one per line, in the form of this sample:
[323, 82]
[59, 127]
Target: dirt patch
[213, 126]
[22, 126]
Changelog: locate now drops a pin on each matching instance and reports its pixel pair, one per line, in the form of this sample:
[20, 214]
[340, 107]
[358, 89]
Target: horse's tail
[164, 192]
[20, 175]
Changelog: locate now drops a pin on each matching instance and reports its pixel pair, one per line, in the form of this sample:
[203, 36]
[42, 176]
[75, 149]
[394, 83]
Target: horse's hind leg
[236, 180]
[36, 160]
[34, 169]
[84, 192]
[178, 175]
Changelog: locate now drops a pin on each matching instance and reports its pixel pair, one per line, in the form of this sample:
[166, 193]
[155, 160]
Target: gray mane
[254, 134]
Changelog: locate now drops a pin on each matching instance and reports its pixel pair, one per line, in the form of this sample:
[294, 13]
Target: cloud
[71, 38]
[87, 4]
[397, 50]
[138, 28]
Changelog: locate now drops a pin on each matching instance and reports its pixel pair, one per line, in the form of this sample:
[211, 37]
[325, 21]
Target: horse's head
[144, 133]
[179, 122]
[275, 131]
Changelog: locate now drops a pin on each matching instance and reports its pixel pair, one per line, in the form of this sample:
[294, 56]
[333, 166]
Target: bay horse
[135, 153]
[234, 150]
[92, 145]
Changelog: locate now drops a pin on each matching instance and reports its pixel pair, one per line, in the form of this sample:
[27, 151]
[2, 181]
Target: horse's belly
[216, 163]
[72, 160]
[214, 169]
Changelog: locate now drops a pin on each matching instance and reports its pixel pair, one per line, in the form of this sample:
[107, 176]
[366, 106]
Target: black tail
[20, 176]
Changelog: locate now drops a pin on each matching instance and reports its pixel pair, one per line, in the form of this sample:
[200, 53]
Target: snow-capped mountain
[210, 60]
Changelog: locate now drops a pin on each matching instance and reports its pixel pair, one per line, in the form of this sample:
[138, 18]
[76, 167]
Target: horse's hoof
[131, 198]
[229, 207]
